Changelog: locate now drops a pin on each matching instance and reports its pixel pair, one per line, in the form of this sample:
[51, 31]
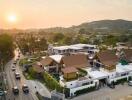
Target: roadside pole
[2, 77]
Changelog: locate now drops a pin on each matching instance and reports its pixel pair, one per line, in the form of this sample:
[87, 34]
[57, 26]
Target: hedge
[120, 81]
[51, 83]
[89, 89]
[32, 72]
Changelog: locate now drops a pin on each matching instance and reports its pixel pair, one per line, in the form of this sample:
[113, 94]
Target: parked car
[17, 75]
[1, 92]
[13, 68]
[25, 88]
[130, 83]
[15, 62]
[15, 90]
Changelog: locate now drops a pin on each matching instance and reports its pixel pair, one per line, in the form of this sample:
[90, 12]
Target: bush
[89, 89]
[32, 73]
[120, 81]
[82, 72]
[129, 78]
[51, 83]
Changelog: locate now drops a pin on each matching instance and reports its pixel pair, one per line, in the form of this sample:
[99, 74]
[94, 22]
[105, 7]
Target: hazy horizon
[27, 14]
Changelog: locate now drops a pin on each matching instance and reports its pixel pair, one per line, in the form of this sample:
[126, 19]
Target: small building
[125, 56]
[69, 73]
[38, 68]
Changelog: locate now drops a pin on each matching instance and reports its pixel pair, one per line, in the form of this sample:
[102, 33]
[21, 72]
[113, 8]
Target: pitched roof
[37, 67]
[69, 70]
[76, 60]
[128, 54]
[46, 61]
[56, 58]
[108, 57]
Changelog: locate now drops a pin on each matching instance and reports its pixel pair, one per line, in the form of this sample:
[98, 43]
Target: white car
[130, 83]
[17, 75]
[15, 90]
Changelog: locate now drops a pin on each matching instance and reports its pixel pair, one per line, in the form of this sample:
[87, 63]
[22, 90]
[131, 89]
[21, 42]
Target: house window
[59, 51]
[91, 82]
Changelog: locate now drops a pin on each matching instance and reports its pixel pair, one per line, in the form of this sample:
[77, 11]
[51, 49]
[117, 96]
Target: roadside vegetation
[6, 48]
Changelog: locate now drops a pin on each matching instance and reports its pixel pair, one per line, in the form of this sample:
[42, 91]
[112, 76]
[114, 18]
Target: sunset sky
[50, 13]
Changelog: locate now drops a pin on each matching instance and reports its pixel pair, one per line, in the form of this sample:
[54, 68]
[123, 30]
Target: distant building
[76, 48]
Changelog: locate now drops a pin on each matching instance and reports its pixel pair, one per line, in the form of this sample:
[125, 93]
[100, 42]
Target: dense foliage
[6, 48]
[31, 44]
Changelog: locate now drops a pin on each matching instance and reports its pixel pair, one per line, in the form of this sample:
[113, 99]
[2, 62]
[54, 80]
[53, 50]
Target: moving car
[25, 88]
[1, 92]
[130, 83]
[13, 68]
[15, 90]
[17, 75]
[14, 62]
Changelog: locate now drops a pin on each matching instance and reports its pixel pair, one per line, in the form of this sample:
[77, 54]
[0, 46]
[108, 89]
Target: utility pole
[2, 75]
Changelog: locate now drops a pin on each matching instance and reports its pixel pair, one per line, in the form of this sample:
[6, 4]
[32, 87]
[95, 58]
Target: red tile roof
[108, 57]
[69, 70]
[46, 61]
[76, 60]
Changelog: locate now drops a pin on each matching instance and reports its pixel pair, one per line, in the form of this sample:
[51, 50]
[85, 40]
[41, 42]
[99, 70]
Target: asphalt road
[11, 81]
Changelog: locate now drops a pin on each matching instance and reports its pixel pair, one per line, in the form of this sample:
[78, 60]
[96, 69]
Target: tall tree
[6, 47]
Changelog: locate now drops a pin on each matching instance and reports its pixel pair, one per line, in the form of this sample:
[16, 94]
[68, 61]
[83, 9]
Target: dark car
[13, 68]
[25, 88]
[15, 90]
[17, 75]
[14, 62]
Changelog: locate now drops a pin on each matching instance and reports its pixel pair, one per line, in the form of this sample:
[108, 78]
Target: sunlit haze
[51, 13]
[12, 18]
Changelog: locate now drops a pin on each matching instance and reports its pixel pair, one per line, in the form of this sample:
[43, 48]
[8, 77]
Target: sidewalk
[39, 87]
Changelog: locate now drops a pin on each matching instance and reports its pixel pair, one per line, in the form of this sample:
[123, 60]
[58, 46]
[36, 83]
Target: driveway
[107, 93]
[37, 86]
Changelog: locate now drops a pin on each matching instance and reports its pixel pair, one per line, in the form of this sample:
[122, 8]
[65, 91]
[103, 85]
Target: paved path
[39, 87]
[107, 94]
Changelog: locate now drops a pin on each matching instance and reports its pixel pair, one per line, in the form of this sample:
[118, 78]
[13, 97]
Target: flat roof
[98, 74]
[124, 68]
[75, 46]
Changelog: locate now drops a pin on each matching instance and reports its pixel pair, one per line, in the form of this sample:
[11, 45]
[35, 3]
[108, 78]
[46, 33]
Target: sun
[12, 18]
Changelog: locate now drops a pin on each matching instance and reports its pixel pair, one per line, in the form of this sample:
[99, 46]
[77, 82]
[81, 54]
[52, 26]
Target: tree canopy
[6, 47]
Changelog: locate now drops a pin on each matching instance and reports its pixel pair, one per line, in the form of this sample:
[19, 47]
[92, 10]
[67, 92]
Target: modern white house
[76, 48]
[106, 68]
[79, 84]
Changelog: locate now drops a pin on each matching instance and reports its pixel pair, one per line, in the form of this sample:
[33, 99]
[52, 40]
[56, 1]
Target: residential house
[38, 68]
[76, 48]
[52, 63]
[69, 73]
[76, 60]
[127, 55]
[107, 59]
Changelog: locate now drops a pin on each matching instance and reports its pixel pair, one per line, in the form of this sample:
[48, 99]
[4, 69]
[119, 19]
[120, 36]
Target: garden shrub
[89, 89]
